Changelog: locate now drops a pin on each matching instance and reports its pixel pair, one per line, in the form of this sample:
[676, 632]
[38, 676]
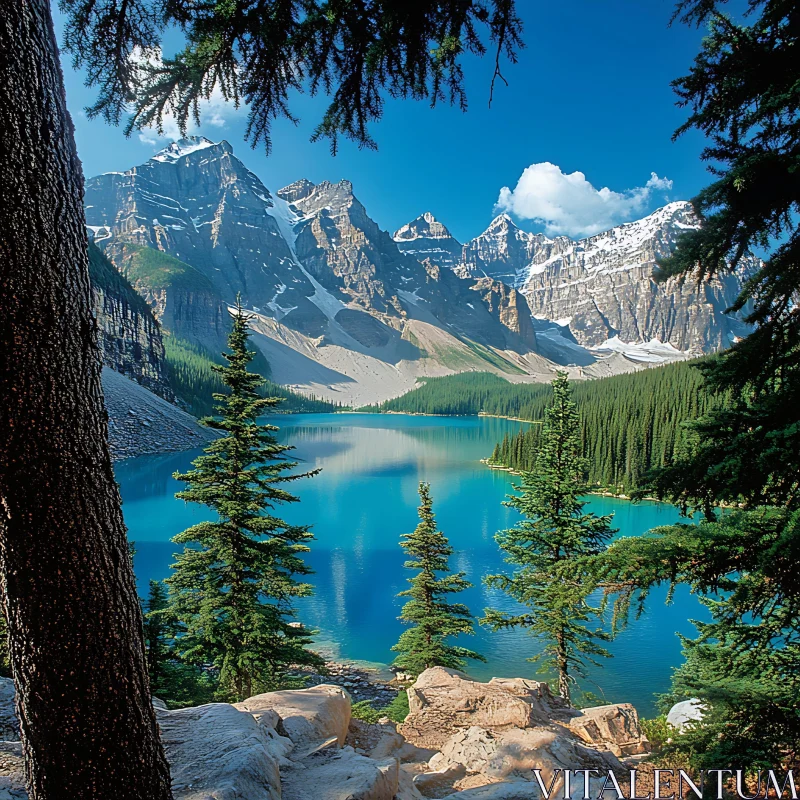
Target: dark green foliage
[745, 664]
[433, 618]
[744, 92]
[235, 583]
[261, 54]
[177, 683]
[397, 710]
[194, 380]
[629, 424]
[554, 532]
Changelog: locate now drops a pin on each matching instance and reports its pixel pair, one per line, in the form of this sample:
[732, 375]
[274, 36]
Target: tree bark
[563, 671]
[75, 626]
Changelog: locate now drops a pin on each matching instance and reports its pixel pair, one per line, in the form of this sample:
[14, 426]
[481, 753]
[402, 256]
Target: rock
[443, 701]
[433, 784]
[616, 726]
[307, 716]
[514, 752]
[9, 725]
[602, 285]
[158, 703]
[128, 436]
[341, 775]
[216, 751]
[681, 714]
[507, 790]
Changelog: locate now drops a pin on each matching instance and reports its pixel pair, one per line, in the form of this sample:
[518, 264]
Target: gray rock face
[140, 422]
[197, 202]
[426, 238]
[308, 256]
[129, 335]
[215, 751]
[603, 286]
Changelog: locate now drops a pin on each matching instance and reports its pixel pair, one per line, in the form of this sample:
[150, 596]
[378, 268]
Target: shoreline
[598, 492]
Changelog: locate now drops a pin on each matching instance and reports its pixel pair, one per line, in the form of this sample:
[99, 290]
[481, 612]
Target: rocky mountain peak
[425, 226]
[298, 190]
[186, 146]
[426, 238]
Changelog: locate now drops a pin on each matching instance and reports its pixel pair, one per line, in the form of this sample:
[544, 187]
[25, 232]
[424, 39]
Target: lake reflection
[362, 502]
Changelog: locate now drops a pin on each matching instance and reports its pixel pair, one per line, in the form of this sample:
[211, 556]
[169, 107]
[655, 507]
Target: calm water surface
[366, 498]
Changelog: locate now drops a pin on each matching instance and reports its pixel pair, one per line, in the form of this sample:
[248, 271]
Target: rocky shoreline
[462, 739]
[360, 681]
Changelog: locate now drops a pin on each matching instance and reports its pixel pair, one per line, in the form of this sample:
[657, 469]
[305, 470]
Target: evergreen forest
[629, 424]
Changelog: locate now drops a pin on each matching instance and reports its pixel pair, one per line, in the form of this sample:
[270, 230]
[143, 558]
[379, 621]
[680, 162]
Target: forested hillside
[629, 423]
[194, 381]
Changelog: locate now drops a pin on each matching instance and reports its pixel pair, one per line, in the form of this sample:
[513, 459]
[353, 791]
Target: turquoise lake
[362, 502]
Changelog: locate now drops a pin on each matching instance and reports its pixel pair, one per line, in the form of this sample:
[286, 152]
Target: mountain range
[346, 311]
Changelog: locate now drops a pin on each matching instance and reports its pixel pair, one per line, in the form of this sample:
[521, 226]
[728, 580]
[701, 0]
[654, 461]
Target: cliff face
[308, 257]
[603, 286]
[181, 298]
[426, 238]
[129, 335]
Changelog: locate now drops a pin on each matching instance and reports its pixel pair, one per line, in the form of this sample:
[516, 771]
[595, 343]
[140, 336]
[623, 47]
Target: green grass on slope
[194, 381]
[157, 270]
[105, 276]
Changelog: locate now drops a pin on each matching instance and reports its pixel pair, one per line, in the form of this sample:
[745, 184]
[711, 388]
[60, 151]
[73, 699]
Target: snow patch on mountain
[183, 147]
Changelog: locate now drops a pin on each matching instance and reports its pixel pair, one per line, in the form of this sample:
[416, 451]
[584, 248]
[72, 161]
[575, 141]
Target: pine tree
[157, 637]
[555, 532]
[235, 583]
[56, 478]
[745, 664]
[432, 617]
[172, 680]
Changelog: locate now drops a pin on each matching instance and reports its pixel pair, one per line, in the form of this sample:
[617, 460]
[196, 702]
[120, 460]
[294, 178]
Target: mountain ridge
[353, 313]
[311, 259]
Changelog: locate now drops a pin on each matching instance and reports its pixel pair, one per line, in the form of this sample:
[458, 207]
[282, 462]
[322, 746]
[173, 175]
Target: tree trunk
[563, 673]
[75, 627]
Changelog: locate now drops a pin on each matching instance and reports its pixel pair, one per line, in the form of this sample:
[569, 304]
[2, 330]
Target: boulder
[443, 701]
[440, 782]
[333, 774]
[681, 714]
[9, 725]
[615, 727]
[514, 752]
[507, 790]
[307, 716]
[218, 752]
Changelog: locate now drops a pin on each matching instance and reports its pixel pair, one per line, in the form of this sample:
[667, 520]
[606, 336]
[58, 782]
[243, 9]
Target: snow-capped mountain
[602, 287]
[337, 302]
[426, 238]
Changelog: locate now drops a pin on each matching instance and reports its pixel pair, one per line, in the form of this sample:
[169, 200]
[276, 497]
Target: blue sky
[590, 94]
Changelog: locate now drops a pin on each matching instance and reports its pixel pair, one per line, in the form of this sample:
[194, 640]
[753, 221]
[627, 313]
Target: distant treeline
[194, 381]
[629, 423]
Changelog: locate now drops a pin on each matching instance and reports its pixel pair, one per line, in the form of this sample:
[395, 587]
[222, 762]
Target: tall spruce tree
[235, 584]
[745, 664]
[555, 531]
[62, 536]
[433, 618]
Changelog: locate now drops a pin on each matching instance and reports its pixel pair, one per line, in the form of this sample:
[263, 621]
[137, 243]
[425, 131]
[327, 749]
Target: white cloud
[216, 112]
[569, 204]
